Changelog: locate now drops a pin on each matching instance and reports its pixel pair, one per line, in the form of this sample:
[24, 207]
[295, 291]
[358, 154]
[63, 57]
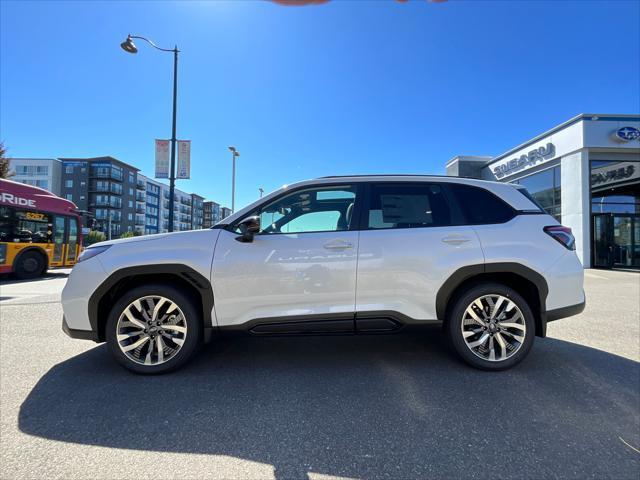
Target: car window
[313, 222]
[323, 209]
[480, 206]
[407, 206]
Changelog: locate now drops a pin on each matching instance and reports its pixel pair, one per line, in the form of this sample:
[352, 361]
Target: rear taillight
[563, 235]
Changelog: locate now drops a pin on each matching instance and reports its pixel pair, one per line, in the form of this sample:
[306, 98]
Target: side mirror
[248, 228]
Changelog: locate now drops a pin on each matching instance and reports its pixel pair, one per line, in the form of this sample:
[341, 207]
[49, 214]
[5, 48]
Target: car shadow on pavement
[9, 279]
[372, 406]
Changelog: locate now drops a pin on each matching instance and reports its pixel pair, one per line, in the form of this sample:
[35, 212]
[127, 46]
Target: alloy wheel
[493, 327]
[151, 330]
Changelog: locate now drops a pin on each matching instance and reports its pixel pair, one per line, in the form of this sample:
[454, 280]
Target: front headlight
[91, 252]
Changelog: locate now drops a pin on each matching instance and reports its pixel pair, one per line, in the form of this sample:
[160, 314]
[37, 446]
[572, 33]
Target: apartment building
[224, 212]
[105, 187]
[114, 195]
[39, 172]
[211, 214]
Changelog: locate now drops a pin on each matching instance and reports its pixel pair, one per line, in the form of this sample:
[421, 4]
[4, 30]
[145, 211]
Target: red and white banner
[162, 158]
[184, 159]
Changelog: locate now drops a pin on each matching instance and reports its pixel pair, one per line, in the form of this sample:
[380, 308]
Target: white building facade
[586, 173]
[40, 172]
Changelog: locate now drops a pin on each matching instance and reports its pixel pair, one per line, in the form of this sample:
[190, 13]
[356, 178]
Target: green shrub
[94, 236]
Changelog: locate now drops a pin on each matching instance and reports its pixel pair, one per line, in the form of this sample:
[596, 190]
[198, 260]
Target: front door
[300, 268]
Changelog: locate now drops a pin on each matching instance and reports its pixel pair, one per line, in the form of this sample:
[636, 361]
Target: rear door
[412, 240]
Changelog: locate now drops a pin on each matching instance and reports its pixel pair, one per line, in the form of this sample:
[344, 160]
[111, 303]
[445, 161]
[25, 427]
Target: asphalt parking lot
[395, 407]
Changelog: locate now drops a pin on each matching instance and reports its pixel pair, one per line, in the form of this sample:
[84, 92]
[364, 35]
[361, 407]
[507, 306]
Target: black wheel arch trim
[78, 334]
[186, 273]
[468, 272]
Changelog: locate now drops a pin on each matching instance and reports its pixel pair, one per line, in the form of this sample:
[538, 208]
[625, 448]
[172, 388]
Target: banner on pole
[162, 158]
[184, 159]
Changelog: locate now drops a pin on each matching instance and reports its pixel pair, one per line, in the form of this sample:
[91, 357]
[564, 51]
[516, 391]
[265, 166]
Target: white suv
[347, 255]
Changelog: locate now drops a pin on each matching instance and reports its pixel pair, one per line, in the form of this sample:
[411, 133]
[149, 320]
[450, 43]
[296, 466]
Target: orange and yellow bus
[38, 230]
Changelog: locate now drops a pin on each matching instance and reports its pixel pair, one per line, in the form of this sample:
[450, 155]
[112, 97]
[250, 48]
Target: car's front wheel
[491, 326]
[154, 329]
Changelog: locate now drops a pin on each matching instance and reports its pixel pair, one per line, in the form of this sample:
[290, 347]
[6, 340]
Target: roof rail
[387, 175]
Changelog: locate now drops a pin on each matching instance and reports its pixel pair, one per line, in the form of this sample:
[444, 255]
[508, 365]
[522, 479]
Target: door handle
[337, 245]
[455, 240]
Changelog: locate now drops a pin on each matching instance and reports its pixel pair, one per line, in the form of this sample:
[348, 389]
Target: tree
[5, 171]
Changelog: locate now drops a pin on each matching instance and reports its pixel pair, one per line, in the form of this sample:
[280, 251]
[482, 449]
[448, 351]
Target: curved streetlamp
[130, 47]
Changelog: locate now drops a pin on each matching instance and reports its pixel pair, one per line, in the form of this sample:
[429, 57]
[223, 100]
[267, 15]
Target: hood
[149, 238]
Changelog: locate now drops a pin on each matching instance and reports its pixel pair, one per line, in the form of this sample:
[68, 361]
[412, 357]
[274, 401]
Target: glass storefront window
[545, 188]
[615, 187]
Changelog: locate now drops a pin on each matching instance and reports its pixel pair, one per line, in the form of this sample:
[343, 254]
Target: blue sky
[344, 87]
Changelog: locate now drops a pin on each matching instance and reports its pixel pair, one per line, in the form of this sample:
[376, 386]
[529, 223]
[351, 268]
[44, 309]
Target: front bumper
[79, 334]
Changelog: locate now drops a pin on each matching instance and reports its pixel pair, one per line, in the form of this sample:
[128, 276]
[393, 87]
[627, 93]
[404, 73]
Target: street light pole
[129, 47]
[261, 190]
[172, 177]
[234, 154]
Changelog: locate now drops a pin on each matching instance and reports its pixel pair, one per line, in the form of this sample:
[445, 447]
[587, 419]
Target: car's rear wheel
[154, 329]
[491, 326]
[30, 264]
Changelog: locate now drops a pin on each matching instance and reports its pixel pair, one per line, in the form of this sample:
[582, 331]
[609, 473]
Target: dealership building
[586, 173]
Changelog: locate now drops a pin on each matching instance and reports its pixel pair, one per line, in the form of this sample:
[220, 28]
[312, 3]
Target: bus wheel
[29, 265]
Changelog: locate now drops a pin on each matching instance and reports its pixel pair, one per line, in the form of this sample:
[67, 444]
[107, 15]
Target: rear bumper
[79, 334]
[564, 312]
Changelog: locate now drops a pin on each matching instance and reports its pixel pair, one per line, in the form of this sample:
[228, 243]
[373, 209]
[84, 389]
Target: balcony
[140, 197]
[140, 185]
[106, 173]
[140, 209]
[102, 215]
[140, 220]
[105, 187]
[107, 203]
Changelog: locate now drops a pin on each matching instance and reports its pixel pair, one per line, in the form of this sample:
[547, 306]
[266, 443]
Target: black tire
[192, 317]
[30, 264]
[456, 314]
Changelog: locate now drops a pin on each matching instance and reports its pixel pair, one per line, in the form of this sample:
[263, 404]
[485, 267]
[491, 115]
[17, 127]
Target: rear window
[479, 206]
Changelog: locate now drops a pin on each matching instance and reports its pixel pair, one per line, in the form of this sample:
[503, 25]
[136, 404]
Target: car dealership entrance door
[616, 240]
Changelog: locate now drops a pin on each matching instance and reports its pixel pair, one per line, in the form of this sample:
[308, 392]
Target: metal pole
[109, 214]
[172, 176]
[233, 184]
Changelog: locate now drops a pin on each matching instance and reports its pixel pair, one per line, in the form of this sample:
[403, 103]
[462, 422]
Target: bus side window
[6, 224]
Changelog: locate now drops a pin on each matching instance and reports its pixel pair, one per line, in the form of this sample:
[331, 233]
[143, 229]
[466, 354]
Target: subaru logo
[627, 134]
